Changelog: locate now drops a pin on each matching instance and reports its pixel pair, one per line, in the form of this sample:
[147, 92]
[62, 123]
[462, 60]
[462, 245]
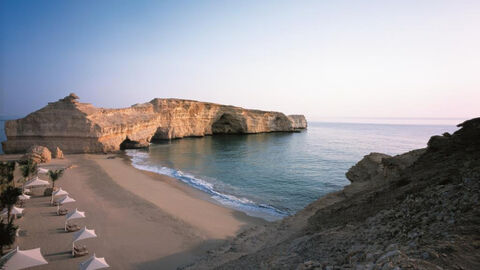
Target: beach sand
[142, 220]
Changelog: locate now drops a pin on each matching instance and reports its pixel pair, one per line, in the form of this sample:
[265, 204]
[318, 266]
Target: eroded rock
[369, 167]
[83, 128]
[57, 153]
[38, 154]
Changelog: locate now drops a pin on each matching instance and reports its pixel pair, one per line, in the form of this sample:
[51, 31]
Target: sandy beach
[143, 220]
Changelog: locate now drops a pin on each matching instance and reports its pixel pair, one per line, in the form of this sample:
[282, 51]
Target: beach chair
[62, 211]
[80, 251]
[72, 227]
[20, 203]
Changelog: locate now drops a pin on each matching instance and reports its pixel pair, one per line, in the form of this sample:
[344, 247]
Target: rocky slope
[418, 210]
[82, 128]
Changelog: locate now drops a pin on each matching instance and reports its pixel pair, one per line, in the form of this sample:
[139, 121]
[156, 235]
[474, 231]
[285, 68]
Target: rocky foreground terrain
[418, 210]
[78, 127]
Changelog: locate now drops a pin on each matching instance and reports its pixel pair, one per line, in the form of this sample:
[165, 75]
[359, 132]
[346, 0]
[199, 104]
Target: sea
[273, 175]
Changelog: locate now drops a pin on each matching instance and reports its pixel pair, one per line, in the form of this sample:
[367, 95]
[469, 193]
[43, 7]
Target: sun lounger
[72, 228]
[80, 251]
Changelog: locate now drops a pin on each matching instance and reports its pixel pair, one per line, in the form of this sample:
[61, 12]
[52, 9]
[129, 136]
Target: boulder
[38, 154]
[57, 153]
[378, 168]
[368, 168]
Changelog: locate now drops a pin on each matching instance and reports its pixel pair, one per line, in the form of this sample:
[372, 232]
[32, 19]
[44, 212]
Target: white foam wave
[140, 161]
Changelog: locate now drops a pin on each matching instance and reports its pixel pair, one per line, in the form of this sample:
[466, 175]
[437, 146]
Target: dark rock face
[128, 144]
[369, 167]
[228, 124]
[418, 210]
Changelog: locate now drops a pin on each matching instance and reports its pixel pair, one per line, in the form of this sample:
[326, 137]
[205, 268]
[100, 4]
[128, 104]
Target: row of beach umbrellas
[93, 262]
[21, 259]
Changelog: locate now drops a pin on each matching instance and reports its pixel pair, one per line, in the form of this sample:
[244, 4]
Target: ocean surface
[276, 174]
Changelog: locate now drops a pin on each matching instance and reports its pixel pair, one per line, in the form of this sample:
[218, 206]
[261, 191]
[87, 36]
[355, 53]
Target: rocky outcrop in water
[82, 128]
[418, 210]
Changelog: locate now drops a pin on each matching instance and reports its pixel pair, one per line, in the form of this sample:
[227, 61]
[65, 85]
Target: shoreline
[184, 201]
[151, 222]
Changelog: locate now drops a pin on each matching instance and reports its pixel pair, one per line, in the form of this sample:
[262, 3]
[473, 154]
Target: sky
[324, 59]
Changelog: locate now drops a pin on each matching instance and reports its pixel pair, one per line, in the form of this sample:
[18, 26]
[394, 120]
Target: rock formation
[57, 153]
[418, 210]
[38, 154]
[82, 128]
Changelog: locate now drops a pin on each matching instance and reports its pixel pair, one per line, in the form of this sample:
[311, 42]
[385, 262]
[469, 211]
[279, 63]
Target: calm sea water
[2, 133]
[274, 175]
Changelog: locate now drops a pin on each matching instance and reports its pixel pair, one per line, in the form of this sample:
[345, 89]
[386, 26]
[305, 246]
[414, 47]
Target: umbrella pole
[58, 209]
[73, 248]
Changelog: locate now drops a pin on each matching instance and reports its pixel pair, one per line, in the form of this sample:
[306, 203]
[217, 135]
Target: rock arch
[229, 124]
[129, 144]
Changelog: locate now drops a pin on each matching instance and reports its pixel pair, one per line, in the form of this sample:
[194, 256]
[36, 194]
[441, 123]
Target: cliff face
[82, 128]
[418, 210]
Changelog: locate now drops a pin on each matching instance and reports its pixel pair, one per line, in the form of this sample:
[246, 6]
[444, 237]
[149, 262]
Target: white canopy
[15, 211]
[94, 263]
[20, 259]
[75, 214]
[65, 199]
[42, 170]
[23, 197]
[35, 182]
[59, 192]
[84, 234]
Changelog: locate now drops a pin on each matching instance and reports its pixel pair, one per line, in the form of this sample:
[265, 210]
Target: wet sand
[143, 220]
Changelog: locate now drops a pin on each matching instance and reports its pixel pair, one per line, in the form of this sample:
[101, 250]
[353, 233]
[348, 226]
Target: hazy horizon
[326, 60]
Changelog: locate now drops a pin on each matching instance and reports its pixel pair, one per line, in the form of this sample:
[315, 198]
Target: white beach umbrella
[74, 215]
[59, 192]
[15, 211]
[23, 197]
[94, 263]
[36, 182]
[42, 170]
[82, 234]
[20, 259]
[64, 200]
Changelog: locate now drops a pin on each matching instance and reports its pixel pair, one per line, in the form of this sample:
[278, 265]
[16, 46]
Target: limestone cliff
[82, 128]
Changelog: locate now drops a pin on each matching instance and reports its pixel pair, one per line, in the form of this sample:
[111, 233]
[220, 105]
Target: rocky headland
[76, 127]
[418, 210]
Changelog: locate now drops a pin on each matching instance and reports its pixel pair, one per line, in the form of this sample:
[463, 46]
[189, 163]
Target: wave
[139, 160]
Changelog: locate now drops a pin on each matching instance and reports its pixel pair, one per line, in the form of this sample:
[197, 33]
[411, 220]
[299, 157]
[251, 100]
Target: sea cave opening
[229, 124]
